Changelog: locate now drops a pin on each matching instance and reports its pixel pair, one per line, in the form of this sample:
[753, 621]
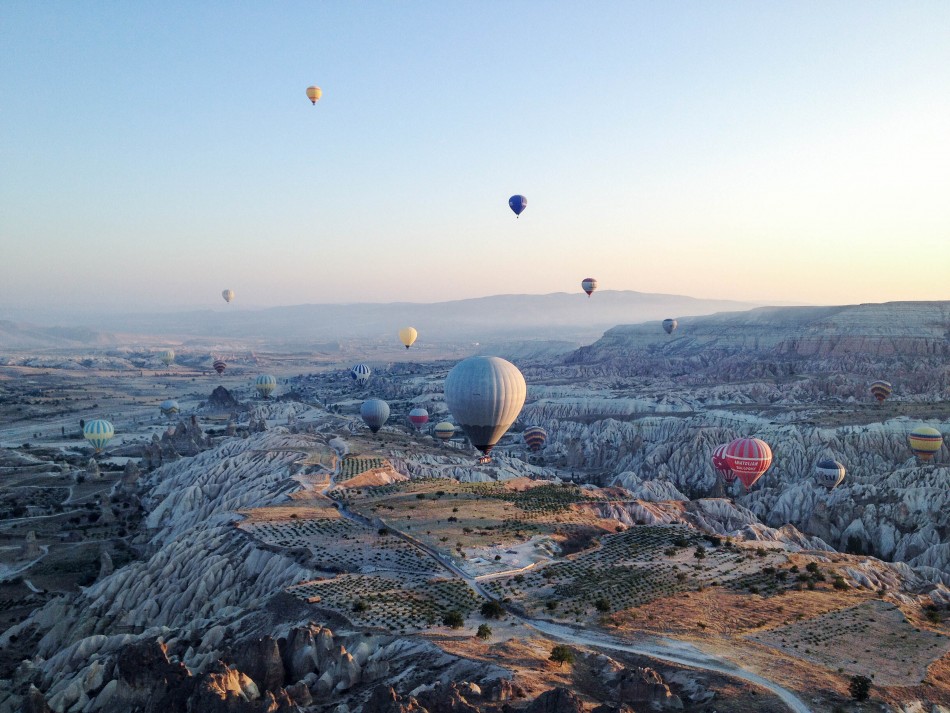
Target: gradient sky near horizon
[153, 154]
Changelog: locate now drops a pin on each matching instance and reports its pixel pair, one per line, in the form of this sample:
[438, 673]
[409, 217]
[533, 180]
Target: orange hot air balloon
[314, 93]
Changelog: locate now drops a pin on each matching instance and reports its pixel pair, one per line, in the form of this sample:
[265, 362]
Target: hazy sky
[152, 154]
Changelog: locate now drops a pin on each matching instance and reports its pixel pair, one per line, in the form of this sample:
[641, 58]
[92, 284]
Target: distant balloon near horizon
[219, 366]
[925, 441]
[408, 335]
[880, 390]
[228, 295]
[535, 437]
[669, 325]
[418, 417]
[360, 374]
[375, 413]
[485, 394]
[169, 407]
[589, 284]
[518, 203]
[167, 356]
[748, 458]
[829, 472]
[265, 385]
[98, 433]
[314, 93]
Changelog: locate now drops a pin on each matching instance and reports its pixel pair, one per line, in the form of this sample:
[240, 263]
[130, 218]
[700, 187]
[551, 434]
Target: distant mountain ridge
[571, 316]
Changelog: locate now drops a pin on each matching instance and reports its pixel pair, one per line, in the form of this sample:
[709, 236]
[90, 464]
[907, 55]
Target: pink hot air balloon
[722, 465]
[749, 458]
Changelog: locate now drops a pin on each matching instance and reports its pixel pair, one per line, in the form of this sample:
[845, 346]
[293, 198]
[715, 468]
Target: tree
[561, 655]
[492, 610]
[360, 606]
[860, 688]
[454, 619]
[484, 632]
[602, 604]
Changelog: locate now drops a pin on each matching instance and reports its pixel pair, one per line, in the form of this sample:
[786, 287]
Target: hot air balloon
[749, 458]
[829, 472]
[518, 204]
[407, 335]
[167, 356]
[375, 413]
[169, 407]
[219, 366]
[722, 465]
[534, 437]
[880, 390]
[228, 295]
[669, 325]
[418, 417]
[265, 384]
[360, 374]
[98, 433]
[925, 442]
[444, 430]
[589, 284]
[485, 395]
[314, 94]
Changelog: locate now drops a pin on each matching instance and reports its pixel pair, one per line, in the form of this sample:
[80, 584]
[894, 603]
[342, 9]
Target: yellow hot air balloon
[925, 442]
[407, 335]
[314, 94]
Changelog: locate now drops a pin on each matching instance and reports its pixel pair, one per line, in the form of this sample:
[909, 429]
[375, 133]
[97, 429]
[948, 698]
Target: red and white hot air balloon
[748, 458]
[589, 284]
[418, 417]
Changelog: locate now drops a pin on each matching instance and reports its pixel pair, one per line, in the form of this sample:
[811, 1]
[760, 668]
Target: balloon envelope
[407, 335]
[167, 356]
[228, 295]
[219, 366]
[518, 203]
[722, 465]
[265, 385]
[485, 395]
[829, 472]
[589, 284]
[169, 407]
[98, 433]
[880, 390]
[360, 374]
[749, 458]
[925, 442]
[375, 413]
[669, 325]
[444, 430]
[314, 93]
[418, 417]
[535, 437]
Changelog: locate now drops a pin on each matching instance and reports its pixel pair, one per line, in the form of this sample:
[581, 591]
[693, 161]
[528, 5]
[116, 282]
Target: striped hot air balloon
[589, 284]
[167, 356]
[219, 366]
[169, 407]
[722, 465]
[265, 385]
[418, 417]
[535, 437]
[360, 374]
[669, 325]
[314, 93]
[375, 413]
[925, 441]
[829, 472]
[748, 458]
[444, 430]
[880, 390]
[98, 433]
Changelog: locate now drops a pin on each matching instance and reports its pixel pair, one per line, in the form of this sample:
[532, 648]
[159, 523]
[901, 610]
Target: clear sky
[152, 154]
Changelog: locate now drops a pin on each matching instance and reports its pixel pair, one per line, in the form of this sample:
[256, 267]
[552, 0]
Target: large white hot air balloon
[485, 395]
[228, 295]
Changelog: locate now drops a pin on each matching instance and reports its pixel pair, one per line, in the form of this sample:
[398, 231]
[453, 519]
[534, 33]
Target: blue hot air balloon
[375, 413]
[518, 204]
